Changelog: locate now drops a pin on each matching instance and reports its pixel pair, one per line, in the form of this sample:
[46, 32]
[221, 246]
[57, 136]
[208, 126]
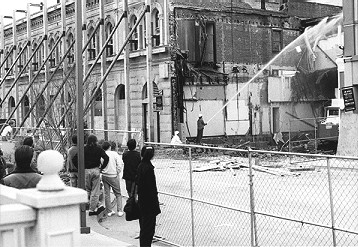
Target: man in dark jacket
[70, 167]
[131, 159]
[93, 166]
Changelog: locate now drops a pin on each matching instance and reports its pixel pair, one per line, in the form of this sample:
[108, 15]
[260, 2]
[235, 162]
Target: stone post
[57, 205]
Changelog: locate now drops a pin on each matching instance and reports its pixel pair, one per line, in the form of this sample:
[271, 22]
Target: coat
[147, 189]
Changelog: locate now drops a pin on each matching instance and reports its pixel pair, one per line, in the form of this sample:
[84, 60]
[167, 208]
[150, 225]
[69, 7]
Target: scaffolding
[43, 73]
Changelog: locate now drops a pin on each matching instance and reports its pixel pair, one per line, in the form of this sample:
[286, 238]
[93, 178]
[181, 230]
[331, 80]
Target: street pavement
[112, 231]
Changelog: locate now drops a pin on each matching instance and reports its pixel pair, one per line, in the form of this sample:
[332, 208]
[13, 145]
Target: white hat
[200, 115]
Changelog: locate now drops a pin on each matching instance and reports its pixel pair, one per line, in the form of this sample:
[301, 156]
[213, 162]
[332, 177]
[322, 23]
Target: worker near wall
[200, 128]
[176, 138]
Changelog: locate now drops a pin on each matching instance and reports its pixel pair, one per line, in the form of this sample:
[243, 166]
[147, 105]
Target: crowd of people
[103, 168]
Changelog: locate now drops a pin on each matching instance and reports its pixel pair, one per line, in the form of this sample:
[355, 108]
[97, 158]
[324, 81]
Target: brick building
[201, 53]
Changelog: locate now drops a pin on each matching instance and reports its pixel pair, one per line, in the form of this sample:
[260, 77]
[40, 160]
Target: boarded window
[276, 40]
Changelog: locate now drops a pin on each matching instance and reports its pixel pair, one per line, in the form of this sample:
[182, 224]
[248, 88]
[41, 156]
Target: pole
[148, 22]
[126, 68]
[191, 200]
[252, 203]
[331, 202]
[102, 39]
[79, 92]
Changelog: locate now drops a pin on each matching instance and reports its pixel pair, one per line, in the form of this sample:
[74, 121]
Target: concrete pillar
[57, 206]
[348, 132]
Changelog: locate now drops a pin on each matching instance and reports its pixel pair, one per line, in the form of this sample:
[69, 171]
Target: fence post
[315, 136]
[191, 199]
[252, 202]
[331, 201]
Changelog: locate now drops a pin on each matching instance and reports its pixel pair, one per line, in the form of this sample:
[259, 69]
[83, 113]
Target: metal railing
[229, 197]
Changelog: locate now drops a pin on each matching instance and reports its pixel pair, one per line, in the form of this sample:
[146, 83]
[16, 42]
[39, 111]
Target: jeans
[108, 183]
[93, 182]
[129, 184]
[74, 179]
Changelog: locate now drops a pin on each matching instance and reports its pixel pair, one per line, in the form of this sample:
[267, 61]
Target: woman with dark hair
[147, 197]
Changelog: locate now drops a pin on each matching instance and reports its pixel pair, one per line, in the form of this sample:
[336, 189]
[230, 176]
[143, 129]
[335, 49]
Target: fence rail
[221, 197]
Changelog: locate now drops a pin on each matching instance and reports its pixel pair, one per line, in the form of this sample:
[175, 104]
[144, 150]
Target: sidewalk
[110, 231]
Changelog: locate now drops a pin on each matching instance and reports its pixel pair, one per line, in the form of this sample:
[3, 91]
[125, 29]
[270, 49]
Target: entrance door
[276, 119]
[145, 126]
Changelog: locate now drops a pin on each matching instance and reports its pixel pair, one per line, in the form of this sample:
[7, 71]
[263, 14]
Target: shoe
[100, 209]
[91, 213]
[120, 214]
[111, 213]
[97, 212]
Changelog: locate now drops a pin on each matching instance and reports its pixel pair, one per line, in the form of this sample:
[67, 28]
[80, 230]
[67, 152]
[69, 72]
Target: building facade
[202, 54]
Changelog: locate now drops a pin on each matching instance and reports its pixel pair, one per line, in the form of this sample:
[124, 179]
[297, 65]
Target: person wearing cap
[6, 134]
[200, 128]
[23, 176]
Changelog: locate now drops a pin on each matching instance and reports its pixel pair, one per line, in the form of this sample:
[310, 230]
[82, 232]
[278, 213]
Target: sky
[9, 5]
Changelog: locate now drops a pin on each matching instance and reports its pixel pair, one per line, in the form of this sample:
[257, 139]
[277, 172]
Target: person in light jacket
[110, 178]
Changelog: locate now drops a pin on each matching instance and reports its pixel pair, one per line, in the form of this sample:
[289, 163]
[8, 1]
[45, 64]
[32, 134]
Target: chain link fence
[229, 197]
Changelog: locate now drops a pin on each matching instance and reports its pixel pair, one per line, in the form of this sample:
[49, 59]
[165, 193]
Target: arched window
[92, 44]
[35, 63]
[145, 91]
[156, 27]
[109, 48]
[120, 92]
[25, 104]
[134, 39]
[40, 107]
[52, 59]
[9, 60]
[11, 105]
[41, 55]
[23, 58]
[98, 103]
[70, 55]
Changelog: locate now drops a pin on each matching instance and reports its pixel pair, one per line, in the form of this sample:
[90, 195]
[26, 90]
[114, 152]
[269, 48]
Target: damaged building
[202, 56]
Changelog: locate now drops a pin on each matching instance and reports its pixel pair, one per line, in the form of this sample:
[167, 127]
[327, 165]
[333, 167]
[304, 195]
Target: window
[155, 27]
[40, 107]
[98, 103]
[70, 55]
[134, 39]
[25, 106]
[35, 64]
[276, 40]
[109, 48]
[52, 58]
[11, 104]
[92, 45]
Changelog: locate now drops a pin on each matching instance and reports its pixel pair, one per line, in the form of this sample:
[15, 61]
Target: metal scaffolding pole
[79, 93]
[148, 23]
[126, 68]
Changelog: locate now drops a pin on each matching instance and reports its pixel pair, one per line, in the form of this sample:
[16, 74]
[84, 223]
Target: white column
[57, 205]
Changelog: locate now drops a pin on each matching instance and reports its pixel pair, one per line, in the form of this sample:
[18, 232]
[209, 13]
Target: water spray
[314, 34]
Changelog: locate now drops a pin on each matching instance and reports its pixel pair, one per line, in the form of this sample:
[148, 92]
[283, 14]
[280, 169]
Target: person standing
[110, 178]
[147, 197]
[6, 134]
[200, 129]
[93, 165]
[131, 159]
[23, 176]
[70, 167]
